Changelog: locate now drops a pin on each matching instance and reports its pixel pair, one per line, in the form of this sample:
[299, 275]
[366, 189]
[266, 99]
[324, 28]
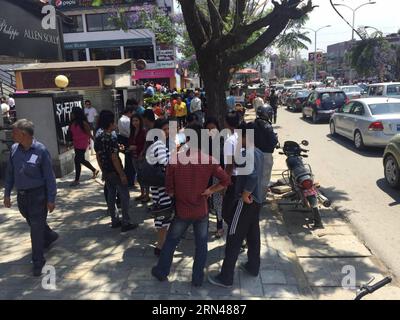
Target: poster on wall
[62, 111]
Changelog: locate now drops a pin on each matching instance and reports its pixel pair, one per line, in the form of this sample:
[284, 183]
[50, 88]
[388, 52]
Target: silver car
[352, 92]
[368, 122]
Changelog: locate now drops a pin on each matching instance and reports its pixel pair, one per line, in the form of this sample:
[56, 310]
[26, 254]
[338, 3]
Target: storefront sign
[165, 65]
[109, 43]
[165, 53]
[72, 4]
[45, 79]
[25, 37]
[154, 74]
[62, 110]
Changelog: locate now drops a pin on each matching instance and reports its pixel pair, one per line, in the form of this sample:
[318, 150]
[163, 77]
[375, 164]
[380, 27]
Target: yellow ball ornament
[61, 81]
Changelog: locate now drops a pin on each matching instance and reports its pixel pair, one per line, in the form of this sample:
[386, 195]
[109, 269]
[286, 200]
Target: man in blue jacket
[245, 221]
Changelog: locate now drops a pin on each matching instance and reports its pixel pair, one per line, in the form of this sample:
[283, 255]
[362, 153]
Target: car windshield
[329, 96]
[302, 94]
[352, 89]
[393, 90]
[384, 108]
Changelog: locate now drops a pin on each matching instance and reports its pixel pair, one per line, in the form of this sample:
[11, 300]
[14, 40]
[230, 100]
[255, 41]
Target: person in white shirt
[11, 102]
[195, 107]
[91, 115]
[124, 132]
[5, 111]
[258, 102]
[232, 122]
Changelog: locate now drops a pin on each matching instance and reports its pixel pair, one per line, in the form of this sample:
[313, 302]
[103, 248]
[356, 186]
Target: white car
[368, 122]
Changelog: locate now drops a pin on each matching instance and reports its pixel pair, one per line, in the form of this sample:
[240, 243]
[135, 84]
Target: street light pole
[354, 12]
[315, 48]
[353, 25]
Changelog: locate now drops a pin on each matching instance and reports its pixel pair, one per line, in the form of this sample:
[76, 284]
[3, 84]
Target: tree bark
[216, 79]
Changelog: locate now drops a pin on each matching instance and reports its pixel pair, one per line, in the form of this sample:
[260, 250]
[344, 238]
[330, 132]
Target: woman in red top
[136, 144]
[81, 135]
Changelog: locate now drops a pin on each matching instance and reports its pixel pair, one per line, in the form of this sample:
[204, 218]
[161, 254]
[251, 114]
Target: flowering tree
[226, 34]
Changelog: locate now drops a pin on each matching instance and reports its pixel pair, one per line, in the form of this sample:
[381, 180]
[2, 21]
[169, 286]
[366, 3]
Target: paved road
[355, 181]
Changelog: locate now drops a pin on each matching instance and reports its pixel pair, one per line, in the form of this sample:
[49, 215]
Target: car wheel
[315, 117]
[332, 128]
[392, 172]
[358, 141]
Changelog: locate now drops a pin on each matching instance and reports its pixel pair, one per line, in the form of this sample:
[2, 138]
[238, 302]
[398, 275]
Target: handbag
[151, 175]
[163, 213]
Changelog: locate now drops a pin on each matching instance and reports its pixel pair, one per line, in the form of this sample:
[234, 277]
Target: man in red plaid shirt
[187, 183]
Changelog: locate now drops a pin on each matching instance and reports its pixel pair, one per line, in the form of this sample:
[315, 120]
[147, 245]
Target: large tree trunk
[216, 81]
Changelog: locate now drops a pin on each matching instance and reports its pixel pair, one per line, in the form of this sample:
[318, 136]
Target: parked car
[352, 92]
[368, 121]
[296, 101]
[387, 89]
[322, 103]
[391, 162]
[289, 93]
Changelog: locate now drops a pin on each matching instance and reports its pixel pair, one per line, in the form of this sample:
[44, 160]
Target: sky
[384, 15]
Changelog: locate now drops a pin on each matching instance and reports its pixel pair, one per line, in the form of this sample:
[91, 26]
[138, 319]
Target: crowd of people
[179, 193]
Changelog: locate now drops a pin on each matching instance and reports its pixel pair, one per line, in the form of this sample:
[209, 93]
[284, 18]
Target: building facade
[92, 36]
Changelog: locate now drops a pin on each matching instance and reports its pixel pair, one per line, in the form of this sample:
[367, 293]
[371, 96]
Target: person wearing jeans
[175, 233]
[107, 153]
[191, 174]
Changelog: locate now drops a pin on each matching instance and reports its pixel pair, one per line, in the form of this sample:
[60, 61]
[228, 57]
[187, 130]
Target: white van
[387, 89]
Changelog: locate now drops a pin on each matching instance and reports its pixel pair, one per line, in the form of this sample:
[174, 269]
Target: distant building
[337, 57]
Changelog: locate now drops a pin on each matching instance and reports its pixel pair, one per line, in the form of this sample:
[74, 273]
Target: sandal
[140, 197]
[219, 233]
[95, 174]
[145, 199]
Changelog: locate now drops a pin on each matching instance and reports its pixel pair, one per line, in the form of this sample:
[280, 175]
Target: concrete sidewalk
[326, 256]
[93, 261]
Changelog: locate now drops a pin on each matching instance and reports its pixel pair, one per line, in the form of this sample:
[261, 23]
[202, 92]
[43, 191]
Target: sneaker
[37, 270]
[116, 225]
[243, 267]
[48, 244]
[217, 282]
[129, 227]
[157, 276]
[74, 184]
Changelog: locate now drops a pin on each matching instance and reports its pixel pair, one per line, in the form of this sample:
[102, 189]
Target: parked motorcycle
[300, 178]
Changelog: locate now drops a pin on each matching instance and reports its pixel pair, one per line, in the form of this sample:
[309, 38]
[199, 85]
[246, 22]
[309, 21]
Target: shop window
[105, 53]
[75, 26]
[75, 55]
[140, 52]
[100, 22]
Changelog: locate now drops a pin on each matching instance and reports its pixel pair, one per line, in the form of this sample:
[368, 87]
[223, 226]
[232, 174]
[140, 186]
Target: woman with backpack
[81, 135]
[158, 154]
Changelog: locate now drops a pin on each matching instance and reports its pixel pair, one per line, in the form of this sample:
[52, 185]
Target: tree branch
[284, 11]
[216, 20]
[224, 8]
[194, 24]
[239, 13]
[252, 50]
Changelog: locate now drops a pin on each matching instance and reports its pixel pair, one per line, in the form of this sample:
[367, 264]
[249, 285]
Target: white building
[94, 37]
